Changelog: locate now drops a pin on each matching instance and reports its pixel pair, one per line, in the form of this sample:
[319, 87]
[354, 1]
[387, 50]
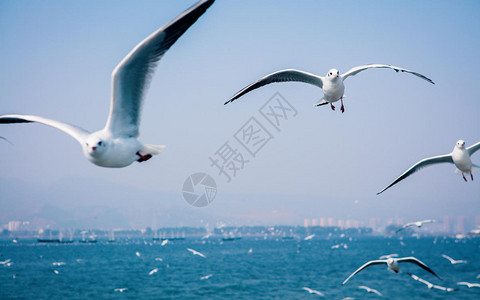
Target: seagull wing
[368, 264]
[419, 279]
[418, 263]
[280, 76]
[447, 158]
[131, 77]
[473, 148]
[356, 70]
[76, 132]
[448, 257]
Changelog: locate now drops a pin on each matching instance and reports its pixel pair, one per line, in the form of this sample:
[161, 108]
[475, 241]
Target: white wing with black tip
[356, 70]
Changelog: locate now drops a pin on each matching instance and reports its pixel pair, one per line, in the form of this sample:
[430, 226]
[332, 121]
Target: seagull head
[94, 145]
[460, 144]
[333, 74]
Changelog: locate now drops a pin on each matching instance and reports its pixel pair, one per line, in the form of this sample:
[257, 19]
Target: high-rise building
[314, 222]
[323, 222]
[13, 225]
[331, 222]
[305, 222]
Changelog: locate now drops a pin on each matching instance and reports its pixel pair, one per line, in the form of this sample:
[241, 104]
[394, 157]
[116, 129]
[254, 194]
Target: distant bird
[418, 224]
[331, 84]
[137, 254]
[164, 242]
[120, 290]
[56, 272]
[309, 237]
[460, 157]
[453, 261]
[370, 290]
[158, 259]
[116, 145]
[470, 285]
[153, 271]
[388, 256]
[206, 277]
[196, 252]
[429, 284]
[392, 264]
[60, 263]
[5, 262]
[250, 251]
[311, 291]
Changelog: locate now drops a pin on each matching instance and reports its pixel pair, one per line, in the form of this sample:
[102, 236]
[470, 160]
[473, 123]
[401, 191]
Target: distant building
[340, 224]
[314, 222]
[305, 222]
[13, 225]
[448, 224]
[331, 222]
[323, 222]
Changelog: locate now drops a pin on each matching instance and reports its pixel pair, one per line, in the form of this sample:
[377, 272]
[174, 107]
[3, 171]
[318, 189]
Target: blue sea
[248, 268]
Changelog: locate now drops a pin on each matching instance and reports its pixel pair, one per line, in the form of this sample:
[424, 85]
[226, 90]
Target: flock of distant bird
[117, 146]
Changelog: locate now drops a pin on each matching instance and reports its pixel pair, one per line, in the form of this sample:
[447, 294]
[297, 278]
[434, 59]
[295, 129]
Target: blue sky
[57, 57]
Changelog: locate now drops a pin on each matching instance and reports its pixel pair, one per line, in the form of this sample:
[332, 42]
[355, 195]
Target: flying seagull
[196, 252]
[331, 84]
[429, 284]
[392, 264]
[453, 261]
[370, 290]
[153, 271]
[120, 290]
[116, 145]
[164, 242]
[418, 224]
[460, 157]
[313, 291]
[309, 237]
[470, 285]
[206, 277]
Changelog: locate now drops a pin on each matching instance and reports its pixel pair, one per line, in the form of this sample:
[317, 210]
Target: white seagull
[370, 290]
[120, 290]
[331, 84]
[460, 157]
[206, 277]
[153, 271]
[60, 263]
[429, 284]
[309, 237]
[311, 291]
[116, 145]
[418, 224]
[164, 242]
[470, 285]
[392, 264]
[5, 262]
[453, 261]
[196, 252]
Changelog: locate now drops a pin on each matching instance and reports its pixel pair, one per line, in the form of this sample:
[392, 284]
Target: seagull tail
[152, 149]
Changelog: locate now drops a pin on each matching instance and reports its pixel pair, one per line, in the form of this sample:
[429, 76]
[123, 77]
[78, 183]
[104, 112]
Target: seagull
[116, 145]
[56, 272]
[331, 84]
[392, 264]
[60, 263]
[313, 291]
[370, 290]
[206, 277]
[388, 256]
[309, 237]
[153, 271]
[429, 284]
[470, 285]
[120, 290]
[250, 251]
[460, 157]
[196, 252]
[164, 242]
[453, 261]
[5, 262]
[418, 224]
[137, 254]
[158, 259]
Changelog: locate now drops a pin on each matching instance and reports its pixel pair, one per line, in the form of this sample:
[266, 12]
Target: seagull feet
[333, 107]
[143, 157]
[471, 175]
[343, 107]
[463, 175]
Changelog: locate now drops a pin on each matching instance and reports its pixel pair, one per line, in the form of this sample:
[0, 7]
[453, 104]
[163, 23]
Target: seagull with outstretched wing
[331, 84]
[116, 145]
[460, 157]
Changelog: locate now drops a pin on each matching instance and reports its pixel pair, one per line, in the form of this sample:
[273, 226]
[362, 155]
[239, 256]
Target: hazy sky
[56, 60]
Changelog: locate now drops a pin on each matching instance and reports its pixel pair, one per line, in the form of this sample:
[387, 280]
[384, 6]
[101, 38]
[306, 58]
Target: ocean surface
[247, 268]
